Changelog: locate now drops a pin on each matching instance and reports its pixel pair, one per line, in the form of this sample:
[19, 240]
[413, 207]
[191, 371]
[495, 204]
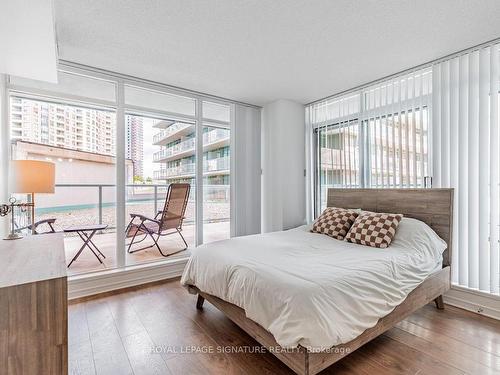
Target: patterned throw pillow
[374, 229]
[334, 222]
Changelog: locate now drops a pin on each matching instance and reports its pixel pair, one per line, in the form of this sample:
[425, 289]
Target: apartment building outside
[135, 144]
[176, 157]
[60, 125]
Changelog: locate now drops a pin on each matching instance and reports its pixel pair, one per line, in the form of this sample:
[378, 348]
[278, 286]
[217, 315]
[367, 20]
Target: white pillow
[415, 234]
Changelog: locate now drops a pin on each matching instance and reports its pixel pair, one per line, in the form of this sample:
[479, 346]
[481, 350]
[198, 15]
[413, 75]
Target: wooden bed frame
[432, 206]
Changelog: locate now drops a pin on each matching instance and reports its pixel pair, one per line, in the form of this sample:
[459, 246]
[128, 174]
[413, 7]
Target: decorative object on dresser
[33, 306]
[11, 208]
[30, 177]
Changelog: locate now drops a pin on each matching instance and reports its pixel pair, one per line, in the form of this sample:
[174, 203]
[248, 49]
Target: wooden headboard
[432, 206]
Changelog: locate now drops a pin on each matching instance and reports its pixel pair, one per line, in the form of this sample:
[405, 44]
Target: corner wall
[283, 163]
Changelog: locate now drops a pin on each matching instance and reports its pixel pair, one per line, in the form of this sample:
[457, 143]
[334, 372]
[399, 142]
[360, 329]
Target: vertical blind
[395, 120]
[441, 121]
[465, 156]
[374, 137]
[337, 141]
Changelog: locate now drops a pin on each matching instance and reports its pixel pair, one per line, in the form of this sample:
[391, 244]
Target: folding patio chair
[168, 221]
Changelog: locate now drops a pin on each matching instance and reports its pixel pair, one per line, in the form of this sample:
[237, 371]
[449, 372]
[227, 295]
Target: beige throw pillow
[374, 229]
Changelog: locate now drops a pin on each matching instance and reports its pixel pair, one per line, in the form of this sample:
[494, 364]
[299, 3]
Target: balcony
[77, 204]
[215, 138]
[182, 149]
[172, 132]
[182, 170]
[215, 166]
[210, 167]
[212, 140]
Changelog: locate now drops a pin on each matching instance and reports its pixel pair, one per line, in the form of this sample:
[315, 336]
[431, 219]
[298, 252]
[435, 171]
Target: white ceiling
[258, 51]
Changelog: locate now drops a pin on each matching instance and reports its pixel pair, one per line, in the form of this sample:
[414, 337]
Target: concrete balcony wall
[170, 132]
[214, 138]
[188, 169]
[165, 153]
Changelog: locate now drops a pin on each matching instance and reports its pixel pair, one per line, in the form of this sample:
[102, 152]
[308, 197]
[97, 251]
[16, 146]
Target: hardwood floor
[152, 330]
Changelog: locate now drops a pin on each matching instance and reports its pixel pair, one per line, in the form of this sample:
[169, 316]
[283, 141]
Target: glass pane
[216, 185]
[81, 144]
[215, 111]
[158, 152]
[338, 158]
[73, 84]
[398, 154]
[159, 100]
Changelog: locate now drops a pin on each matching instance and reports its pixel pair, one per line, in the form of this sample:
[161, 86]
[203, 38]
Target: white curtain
[373, 137]
[396, 124]
[246, 170]
[465, 156]
[332, 148]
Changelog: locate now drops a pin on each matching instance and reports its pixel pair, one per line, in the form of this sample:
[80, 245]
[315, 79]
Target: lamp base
[13, 236]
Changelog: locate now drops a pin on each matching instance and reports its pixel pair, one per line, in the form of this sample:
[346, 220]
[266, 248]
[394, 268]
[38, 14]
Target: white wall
[27, 39]
[283, 163]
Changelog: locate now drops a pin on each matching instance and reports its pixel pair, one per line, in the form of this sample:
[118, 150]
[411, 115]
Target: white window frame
[361, 116]
[121, 109]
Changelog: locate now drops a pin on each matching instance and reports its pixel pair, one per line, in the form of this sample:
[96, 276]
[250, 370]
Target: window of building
[374, 137]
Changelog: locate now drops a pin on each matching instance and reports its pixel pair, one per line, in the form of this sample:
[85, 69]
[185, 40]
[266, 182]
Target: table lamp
[30, 177]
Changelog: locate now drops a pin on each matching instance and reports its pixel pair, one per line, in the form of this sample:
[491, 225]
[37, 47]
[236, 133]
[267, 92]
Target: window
[85, 171]
[375, 137]
[395, 122]
[338, 157]
[336, 138]
[153, 146]
[216, 185]
[216, 171]
[117, 145]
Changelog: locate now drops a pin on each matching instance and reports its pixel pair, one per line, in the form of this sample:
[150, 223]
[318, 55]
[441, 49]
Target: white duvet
[312, 290]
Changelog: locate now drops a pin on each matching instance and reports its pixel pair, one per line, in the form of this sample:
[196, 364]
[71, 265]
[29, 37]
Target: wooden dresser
[33, 306]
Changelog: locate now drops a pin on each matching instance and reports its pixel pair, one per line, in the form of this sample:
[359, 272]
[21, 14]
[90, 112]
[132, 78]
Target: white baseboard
[473, 300]
[100, 282]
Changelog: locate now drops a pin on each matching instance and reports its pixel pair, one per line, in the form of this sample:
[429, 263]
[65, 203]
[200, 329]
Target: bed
[308, 298]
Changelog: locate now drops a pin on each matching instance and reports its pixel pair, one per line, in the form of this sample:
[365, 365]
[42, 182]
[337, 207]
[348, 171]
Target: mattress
[312, 290]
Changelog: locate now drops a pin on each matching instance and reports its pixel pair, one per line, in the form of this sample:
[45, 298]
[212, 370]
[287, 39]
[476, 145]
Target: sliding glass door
[338, 157]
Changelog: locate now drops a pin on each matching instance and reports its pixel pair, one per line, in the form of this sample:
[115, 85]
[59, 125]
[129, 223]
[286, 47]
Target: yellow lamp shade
[31, 176]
